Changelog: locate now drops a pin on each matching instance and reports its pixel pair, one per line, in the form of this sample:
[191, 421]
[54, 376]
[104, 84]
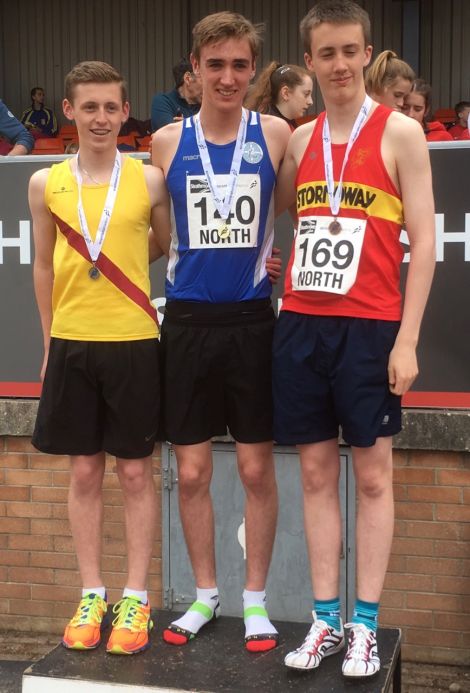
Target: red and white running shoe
[322, 641]
[361, 658]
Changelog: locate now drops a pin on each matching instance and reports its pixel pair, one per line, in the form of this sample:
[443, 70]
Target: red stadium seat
[48, 145]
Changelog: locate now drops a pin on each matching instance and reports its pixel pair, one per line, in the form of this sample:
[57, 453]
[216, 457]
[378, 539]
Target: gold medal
[335, 227]
[224, 231]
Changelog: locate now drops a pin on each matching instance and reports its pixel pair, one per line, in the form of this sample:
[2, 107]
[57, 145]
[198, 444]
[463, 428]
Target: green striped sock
[200, 612]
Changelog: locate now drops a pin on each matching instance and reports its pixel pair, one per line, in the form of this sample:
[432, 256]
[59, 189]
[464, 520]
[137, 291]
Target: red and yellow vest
[368, 193]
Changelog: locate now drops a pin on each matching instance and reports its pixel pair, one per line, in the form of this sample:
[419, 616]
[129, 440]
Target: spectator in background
[183, 101]
[389, 79]
[459, 131]
[13, 131]
[282, 90]
[418, 106]
[39, 119]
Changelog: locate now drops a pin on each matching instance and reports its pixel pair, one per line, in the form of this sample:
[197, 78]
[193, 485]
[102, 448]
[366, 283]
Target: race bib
[327, 253]
[206, 227]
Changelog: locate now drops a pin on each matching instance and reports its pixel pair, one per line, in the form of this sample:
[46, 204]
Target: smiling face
[98, 111]
[225, 69]
[395, 94]
[338, 56]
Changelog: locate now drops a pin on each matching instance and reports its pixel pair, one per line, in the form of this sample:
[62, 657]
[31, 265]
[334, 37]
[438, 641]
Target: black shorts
[100, 396]
[330, 372]
[217, 371]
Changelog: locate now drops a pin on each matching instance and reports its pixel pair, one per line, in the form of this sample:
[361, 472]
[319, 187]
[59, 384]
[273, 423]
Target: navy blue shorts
[331, 372]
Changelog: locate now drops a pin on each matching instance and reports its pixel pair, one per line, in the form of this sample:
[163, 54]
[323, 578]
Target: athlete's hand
[274, 266]
[402, 368]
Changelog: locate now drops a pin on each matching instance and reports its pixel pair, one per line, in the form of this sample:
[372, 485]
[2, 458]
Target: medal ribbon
[224, 204]
[94, 247]
[334, 196]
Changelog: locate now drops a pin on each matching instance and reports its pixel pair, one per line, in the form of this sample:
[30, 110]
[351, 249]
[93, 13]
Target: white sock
[258, 623]
[201, 611]
[101, 591]
[141, 595]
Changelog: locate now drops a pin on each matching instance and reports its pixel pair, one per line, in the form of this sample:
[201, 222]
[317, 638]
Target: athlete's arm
[277, 134]
[159, 233]
[405, 137]
[285, 186]
[164, 145]
[44, 234]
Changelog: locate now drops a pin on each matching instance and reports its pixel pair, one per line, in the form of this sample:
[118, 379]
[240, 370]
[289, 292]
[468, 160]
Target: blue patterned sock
[328, 610]
[366, 613]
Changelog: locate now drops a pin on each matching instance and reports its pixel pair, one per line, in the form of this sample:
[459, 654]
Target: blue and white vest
[203, 266]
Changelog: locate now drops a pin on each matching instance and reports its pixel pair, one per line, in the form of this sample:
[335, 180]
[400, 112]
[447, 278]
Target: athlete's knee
[373, 483]
[135, 476]
[318, 477]
[86, 476]
[258, 482]
[193, 480]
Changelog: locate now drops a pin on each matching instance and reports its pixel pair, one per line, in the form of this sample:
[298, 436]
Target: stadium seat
[127, 142]
[143, 143]
[445, 115]
[68, 133]
[48, 145]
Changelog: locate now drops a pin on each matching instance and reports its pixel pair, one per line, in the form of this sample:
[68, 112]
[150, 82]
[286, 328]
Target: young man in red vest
[344, 349]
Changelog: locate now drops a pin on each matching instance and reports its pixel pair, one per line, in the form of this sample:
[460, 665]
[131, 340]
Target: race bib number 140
[205, 226]
[327, 253]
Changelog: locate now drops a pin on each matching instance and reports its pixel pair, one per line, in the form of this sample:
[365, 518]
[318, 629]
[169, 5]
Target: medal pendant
[224, 231]
[335, 227]
[94, 272]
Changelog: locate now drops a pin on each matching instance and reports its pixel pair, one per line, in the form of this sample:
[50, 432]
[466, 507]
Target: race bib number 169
[327, 253]
[205, 223]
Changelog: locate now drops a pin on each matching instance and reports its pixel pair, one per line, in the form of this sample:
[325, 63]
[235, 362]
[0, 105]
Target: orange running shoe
[83, 631]
[131, 627]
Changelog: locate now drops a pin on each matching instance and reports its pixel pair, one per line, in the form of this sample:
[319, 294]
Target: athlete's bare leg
[373, 469]
[256, 469]
[320, 469]
[85, 506]
[140, 512]
[196, 512]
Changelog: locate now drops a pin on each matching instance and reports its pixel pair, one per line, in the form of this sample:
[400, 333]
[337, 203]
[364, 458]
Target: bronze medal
[335, 227]
[94, 272]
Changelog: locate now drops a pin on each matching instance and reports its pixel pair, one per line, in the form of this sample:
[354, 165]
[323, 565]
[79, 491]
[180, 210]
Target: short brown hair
[385, 70]
[95, 71]
[334, 12]
[225, 25]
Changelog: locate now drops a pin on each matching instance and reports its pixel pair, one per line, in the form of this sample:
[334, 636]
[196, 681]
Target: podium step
[214, 661]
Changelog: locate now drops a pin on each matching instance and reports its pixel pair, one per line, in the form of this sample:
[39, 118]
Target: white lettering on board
[23, 242]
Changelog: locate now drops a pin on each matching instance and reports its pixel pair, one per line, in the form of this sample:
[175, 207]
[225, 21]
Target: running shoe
[131, 627]
[83, 632]
[361, 658]
[322, 641]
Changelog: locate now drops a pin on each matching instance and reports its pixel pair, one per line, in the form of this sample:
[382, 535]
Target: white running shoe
[322, 641]
[361, 658]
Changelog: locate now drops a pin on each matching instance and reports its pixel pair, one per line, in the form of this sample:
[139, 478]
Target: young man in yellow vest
[101, 394]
